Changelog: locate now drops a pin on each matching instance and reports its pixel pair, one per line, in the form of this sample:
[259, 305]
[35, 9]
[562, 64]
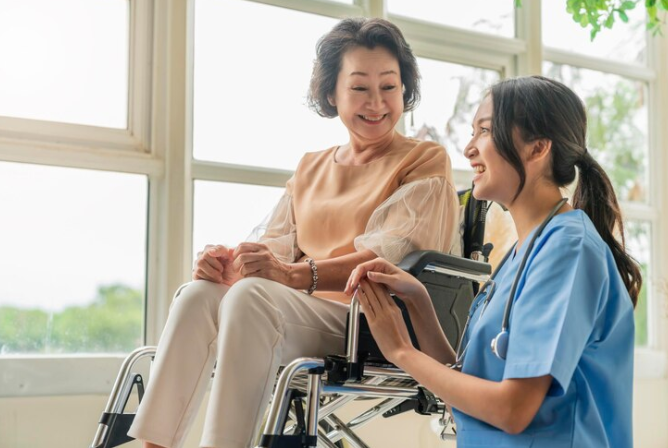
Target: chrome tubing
[323, 441]
[353, 329]
[347, 434]
[121, 388]
[365, 417]
[381, 408]
[372, 391]
[313, 403]
[337, 403]
[386, 371]
[281, 401]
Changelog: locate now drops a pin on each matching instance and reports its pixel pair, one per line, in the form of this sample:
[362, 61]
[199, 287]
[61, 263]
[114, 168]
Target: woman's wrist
[300, 276]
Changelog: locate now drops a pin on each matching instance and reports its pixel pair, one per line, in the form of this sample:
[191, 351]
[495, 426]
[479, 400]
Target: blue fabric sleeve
[555, 309]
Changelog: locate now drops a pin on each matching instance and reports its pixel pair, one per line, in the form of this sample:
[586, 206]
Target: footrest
[287, 441]
[119, 425]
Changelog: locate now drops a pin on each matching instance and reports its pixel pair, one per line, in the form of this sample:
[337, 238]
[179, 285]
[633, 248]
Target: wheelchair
[309, 391]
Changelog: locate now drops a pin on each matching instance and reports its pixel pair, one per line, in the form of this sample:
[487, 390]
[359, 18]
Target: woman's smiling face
[494, 179]
[368, 96]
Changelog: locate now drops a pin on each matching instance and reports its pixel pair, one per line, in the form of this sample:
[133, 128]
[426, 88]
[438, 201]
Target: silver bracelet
[314, 275]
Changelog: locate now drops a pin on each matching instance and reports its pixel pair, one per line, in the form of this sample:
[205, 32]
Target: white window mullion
[47, 153]
[528, 29]
[321, 7]
[170, 210]
[64, 135]
[658, 196]
[140, 73]
[374, 8]
[448, 36]
[458, 55]
[634, 71]
[223, 172]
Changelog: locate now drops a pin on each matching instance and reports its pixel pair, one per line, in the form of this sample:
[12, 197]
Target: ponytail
[540, 107]
[595, 195]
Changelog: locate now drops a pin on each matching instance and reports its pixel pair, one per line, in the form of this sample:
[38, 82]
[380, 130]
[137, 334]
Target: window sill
[30, 376]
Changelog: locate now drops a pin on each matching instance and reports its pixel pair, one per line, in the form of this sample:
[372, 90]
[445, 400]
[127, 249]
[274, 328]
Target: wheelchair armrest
[415, 262]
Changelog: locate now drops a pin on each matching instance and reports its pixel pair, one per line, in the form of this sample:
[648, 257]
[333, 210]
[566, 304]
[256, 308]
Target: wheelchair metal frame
[348, 378]
[337, 379]
[330, 384]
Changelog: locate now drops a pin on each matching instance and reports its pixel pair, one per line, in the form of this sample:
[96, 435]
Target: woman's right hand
[400, 283]
[214, 263]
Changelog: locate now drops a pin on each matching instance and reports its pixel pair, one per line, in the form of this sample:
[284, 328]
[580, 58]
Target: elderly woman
[263, 304]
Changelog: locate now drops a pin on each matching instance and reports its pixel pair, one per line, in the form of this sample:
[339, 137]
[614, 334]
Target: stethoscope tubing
[500, 342]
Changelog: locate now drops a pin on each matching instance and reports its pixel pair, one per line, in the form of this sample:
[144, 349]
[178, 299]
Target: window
[617, 95]
[624, 42]
[498, 17]
[250, 98]
[73, 260]
[145, 130]
[76, 171]
[638, 238]
[618, 125]
[222, 214]
[450, 97]
[65, 69]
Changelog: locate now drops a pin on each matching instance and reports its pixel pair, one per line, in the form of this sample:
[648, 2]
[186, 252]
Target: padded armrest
[415, 262]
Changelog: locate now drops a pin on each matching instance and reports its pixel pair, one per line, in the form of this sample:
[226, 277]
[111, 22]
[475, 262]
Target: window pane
[65, 61]
[618, 125]
[222, 212]
[638, 236]
[488, 16]
[73, 260]
[250, 97]
[624, 42]
[451, 94]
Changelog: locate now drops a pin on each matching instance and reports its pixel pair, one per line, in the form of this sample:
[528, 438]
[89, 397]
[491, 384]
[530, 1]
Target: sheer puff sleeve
[278, 231]
[420, 215]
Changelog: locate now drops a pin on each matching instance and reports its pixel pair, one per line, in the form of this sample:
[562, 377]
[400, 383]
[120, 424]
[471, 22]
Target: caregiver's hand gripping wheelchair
[310, 390]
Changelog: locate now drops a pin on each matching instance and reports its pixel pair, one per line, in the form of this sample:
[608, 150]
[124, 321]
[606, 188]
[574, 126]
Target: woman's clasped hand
[219, 264]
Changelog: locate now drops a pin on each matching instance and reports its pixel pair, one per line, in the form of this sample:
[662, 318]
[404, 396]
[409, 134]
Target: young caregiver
[546, 358]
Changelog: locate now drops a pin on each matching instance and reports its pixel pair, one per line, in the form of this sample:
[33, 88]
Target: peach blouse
[398, 203]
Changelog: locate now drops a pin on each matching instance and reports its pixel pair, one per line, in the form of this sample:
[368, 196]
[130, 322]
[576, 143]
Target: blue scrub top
[572, 319]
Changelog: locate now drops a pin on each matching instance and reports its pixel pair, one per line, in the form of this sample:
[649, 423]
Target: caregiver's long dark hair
[539, 107]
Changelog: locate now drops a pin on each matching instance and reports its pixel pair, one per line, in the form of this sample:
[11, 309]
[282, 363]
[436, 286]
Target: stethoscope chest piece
[500, 344]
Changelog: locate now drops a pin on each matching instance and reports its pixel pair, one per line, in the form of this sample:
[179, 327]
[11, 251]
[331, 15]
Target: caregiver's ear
[539, 149]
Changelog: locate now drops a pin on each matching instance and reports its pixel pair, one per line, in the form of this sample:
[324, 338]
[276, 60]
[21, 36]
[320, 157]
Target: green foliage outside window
[641, 310]
[112, 323]
[599, 14]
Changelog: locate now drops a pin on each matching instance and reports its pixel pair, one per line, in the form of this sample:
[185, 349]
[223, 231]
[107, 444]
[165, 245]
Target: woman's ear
[331, 100]
[540, 149]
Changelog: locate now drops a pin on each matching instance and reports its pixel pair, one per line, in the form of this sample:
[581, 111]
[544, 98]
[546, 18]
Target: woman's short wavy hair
[367, 33]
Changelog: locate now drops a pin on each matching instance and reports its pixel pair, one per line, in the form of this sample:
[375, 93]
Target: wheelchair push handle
[353, 329]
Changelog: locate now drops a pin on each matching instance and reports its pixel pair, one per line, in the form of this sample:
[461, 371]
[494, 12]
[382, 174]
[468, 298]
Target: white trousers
[252, 329]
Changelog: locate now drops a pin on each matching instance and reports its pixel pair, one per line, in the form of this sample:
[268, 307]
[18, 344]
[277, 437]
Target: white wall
[70, 421]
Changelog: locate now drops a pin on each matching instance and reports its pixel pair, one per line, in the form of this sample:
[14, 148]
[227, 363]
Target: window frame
[650, 359]
[90, 147]
[158, 144]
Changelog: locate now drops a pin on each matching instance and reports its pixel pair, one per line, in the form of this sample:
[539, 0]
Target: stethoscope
[499, 344]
